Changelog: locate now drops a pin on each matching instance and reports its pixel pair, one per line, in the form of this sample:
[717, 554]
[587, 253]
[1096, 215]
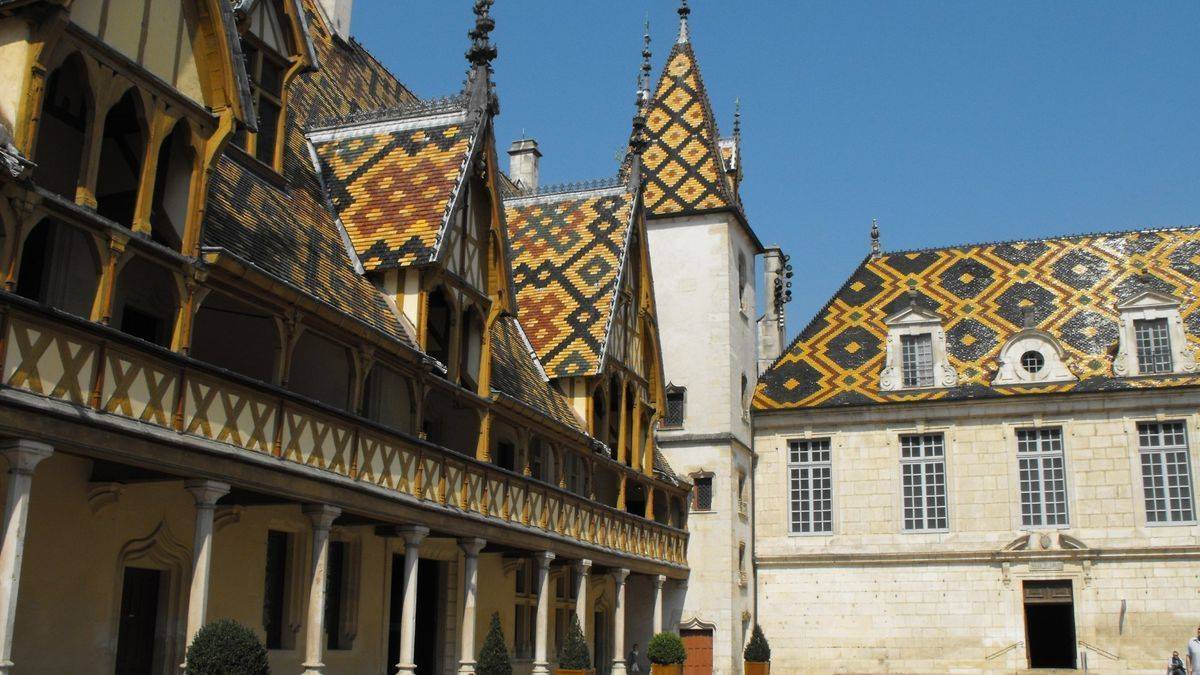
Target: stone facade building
[979, 459]
[280, 342]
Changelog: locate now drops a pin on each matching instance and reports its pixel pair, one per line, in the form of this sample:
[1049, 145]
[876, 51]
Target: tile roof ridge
[566, 188]
[1034, 240]
[415, 109]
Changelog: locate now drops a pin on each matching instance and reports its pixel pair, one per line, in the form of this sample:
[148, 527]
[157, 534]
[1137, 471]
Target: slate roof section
[517, 373]
[393, 184]
[1068, 286]
[567, 253]
[289, 232]
[682, 166]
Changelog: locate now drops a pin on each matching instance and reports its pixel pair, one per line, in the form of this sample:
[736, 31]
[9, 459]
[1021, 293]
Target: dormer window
[1152, 339]
[676, 401]
[916, 351]
[917, 357]
[1153, 346]
[265, 48]
[1032, 357]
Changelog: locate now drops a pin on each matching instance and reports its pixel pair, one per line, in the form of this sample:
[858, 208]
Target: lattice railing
[90, 366]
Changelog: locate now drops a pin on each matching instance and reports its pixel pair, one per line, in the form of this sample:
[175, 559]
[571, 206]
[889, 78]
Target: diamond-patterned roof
[517, 374]
[1068, 287]
[683, 169]
[567, 252]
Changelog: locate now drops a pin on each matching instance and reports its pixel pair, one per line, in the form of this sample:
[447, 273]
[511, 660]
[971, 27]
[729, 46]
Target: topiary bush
[666, 649]
[493, 658]
[757, 650]
[226, 647]
[574, 654]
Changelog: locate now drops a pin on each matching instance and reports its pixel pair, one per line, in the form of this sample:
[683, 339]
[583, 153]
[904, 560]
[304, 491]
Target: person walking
[634, 668]
[1176, 665]
[1193, 653]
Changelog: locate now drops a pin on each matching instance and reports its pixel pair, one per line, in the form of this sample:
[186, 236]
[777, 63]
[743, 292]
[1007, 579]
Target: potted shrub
[226, 647]
[666, 654]
[574, 658]
[757, 657]
[493, 658]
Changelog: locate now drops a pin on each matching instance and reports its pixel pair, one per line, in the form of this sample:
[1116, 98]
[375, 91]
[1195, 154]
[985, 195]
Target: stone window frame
[1148, 305]
[1054, 367]
[914, 320]
[1068, 487]
[667, 422]
[810, 464]
[1136, 466]
[694, 500]
[947, 444]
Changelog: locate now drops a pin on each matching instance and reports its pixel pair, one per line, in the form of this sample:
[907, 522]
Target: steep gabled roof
[683, 169]
[568, 249]
[517, 373]
[393, 178]
[1067, 287]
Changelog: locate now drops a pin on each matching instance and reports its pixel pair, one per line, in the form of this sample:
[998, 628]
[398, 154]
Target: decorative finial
[644, 82]
[482, 51]
[876, 250]
[683, 10]
[737, 118]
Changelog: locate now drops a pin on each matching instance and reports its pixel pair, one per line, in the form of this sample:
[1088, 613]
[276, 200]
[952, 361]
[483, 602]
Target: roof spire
[480, 55]
[876, 249]
[639, 140]
[683, 10]
[737, 118]
[644, 78]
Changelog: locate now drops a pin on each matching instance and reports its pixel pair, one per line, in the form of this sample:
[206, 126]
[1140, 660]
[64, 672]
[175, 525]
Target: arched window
[255, 350]
[122, 147]
[145, 302]
[172, 187]
[613, 433]
[320, 370]
[388, 398]
[66, 111]
[472, 348]
[59, 267]
[437, 326]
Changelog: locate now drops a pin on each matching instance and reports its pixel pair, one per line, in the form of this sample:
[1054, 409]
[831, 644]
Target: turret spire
[644, 81]
[480, 55]
[639, 140]
[737, 119]
[683, 10]
[876, 249]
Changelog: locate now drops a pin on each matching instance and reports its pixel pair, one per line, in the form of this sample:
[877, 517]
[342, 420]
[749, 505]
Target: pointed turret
[481, 96]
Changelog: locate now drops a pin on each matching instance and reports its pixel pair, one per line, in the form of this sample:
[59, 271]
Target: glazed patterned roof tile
[567, 253]
[1068, 287]
[393, 190]
[289, 233]
[517, 373]
[683, 168]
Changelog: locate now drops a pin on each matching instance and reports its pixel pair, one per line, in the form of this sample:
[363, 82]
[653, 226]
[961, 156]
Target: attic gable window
[265, 49]
[916, 351]
[1152, 340]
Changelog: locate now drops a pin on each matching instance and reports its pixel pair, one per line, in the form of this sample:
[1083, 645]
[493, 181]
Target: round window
[1032, 362]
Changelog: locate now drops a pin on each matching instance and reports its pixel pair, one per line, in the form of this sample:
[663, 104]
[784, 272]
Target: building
[978, 459]
[282, 344]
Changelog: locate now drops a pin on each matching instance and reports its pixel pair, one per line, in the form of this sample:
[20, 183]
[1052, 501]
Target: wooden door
[138, 630]
[699, 647]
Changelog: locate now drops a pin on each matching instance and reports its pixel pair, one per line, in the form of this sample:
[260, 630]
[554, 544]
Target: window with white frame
[525, 618]
[1166, 478]
[917, 360]
[810, 472]
[923, 473]
[1153, 346]
[1041, 467]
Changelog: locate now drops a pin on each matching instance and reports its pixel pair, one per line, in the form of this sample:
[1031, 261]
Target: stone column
[413, 536]
[470, 549]
[322, 517]
[23, 456]
[658, 603]
[541, 664]
[206, 493]
[583, 568]
[618, 664]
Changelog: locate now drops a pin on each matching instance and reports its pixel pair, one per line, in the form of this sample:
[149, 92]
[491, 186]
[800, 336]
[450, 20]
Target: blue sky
[950, 122]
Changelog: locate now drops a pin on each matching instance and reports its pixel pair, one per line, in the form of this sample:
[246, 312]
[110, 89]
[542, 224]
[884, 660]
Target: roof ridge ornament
[683, 11]
[480, 55]
[876, 249]
[644, 80]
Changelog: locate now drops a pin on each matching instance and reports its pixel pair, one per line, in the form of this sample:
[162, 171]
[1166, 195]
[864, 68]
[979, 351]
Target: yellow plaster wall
[14, 58]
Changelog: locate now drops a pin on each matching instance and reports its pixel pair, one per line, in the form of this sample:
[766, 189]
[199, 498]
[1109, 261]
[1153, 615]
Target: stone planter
[753, 668]
[666, 668]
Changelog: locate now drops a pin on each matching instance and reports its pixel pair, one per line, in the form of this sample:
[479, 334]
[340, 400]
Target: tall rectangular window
[923, 472]
[525, 617]
[336, 567]
[702, 493]
[275, 588]
[810, 486]
[1040, 464]
[1153, 346]
[916, 353]
[1166, 478]
[676, 396]
[564, 607]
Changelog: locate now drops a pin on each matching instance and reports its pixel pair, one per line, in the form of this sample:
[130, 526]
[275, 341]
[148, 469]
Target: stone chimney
[338, 14]
[772, 326]
[523, 156]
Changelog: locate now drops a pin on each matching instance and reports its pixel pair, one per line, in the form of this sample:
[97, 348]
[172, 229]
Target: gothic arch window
[321, 370]
[438, 326]
[59, 267]
[62, 129]
[123, 146]
[146, 301]
[172, 187]
[254, 354]
[472, 349]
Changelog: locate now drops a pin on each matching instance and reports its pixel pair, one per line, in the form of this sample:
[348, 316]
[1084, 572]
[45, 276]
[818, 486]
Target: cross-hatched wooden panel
[48, 362]
[229, 414]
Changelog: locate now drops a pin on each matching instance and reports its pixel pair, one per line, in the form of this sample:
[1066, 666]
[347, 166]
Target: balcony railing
[95, 367]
